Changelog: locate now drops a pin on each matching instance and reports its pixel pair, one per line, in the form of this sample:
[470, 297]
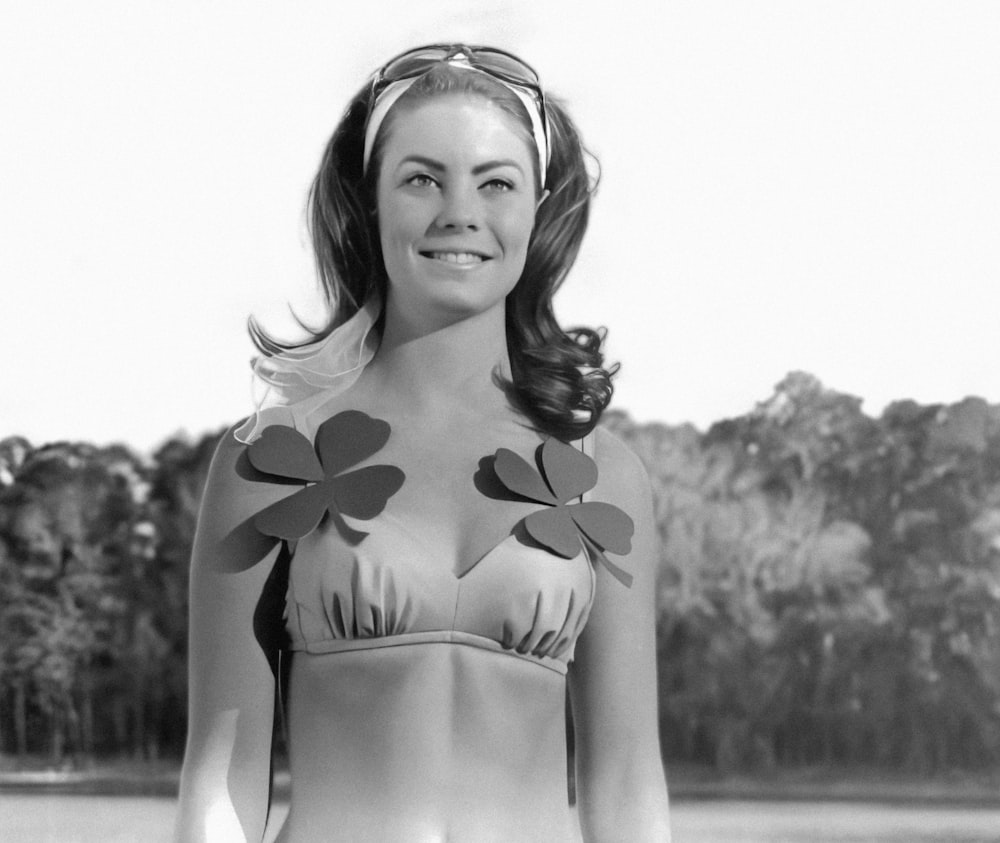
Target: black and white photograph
[508, 422]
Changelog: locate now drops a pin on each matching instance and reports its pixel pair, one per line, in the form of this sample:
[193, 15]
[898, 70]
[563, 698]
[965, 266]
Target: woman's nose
[459, 210]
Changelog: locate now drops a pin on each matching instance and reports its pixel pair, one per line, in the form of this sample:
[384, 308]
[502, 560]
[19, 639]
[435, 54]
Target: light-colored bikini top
[348, 589]
[388, 589]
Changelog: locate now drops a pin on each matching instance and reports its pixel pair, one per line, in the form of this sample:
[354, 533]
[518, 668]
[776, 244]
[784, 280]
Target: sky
[785, 185]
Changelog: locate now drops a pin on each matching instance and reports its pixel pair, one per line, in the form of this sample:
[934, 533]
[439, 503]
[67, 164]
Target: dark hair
[558, 378]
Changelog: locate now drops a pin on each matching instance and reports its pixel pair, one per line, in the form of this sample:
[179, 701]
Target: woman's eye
[421, 180]
[499, 185]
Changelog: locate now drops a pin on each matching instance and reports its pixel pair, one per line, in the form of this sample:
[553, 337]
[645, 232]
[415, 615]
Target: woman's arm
[226, 776]
[621, 790]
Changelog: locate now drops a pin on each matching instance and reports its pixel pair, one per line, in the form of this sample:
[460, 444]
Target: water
[103, 819]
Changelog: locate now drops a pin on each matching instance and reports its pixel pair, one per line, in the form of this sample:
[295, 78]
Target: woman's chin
[451, 299]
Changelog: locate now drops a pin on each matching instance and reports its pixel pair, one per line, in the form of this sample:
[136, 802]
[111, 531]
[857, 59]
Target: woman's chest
[411, 531]
[395, 582]
[451, 501]
[449, 552]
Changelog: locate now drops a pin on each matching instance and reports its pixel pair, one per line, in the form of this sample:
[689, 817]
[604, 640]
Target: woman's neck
[454, 364]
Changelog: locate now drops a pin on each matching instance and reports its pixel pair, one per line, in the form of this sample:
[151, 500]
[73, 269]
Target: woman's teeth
[456, 257]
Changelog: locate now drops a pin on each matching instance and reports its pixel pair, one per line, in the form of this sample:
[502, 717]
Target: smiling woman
[410, 537]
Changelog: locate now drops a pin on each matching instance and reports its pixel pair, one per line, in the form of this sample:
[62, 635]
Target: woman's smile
[465, 260]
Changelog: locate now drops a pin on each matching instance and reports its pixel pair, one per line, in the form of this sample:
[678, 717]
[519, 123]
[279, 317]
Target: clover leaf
[341, 442]
[566, 473]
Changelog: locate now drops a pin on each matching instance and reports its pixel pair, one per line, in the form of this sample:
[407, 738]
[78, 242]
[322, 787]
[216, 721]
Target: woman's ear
[542, 198]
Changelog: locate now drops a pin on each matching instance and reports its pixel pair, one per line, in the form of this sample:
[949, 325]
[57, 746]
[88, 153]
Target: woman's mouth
[460, 258]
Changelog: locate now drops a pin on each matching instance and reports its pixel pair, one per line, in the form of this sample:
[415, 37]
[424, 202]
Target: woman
[424, 510]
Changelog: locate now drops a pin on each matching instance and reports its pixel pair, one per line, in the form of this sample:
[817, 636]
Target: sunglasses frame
[533, 86]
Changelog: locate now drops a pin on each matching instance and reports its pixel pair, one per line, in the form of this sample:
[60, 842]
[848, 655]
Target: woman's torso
[426, 699]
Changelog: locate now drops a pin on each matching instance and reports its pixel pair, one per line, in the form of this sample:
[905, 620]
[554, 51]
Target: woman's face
[456, 206]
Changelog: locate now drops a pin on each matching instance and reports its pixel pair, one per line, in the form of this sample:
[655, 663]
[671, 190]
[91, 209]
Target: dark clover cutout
[566, 473]
[341, 441]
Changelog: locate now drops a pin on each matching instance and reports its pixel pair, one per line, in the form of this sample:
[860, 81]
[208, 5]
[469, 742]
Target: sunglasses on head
[514, 73]
[498, 63]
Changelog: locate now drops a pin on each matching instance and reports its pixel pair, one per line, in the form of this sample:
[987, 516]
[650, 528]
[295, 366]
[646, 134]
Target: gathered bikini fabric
[388, 590]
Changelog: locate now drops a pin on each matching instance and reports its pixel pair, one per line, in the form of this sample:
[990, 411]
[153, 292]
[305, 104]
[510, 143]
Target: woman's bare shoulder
[622, 476]
[232, 482]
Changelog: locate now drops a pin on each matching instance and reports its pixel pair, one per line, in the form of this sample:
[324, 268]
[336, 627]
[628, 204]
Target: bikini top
[351, 588]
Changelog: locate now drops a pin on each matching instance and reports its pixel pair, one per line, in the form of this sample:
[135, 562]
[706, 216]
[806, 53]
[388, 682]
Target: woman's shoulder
[229, 454]
[621, 474]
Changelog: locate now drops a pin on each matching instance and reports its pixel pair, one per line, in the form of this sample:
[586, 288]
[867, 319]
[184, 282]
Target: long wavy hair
[558, 378]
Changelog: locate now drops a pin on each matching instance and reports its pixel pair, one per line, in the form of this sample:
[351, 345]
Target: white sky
[787, 185]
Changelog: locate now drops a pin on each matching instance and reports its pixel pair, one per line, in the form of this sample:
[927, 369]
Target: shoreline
[685, 784]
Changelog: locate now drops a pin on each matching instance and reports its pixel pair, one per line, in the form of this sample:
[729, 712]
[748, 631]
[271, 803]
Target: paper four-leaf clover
[341, 441]
[566, 473]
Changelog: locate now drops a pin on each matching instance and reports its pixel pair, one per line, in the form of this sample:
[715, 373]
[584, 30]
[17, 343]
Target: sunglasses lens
[412, 64]
[505, 65]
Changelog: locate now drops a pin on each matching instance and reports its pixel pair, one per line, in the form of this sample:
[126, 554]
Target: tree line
[828, 587]
[829, 583]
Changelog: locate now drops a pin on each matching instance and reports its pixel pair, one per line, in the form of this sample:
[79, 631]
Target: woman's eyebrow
[492, 165]
[432, 164]
[423, 161]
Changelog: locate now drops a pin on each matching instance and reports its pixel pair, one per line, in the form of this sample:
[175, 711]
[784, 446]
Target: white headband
[387, 99]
